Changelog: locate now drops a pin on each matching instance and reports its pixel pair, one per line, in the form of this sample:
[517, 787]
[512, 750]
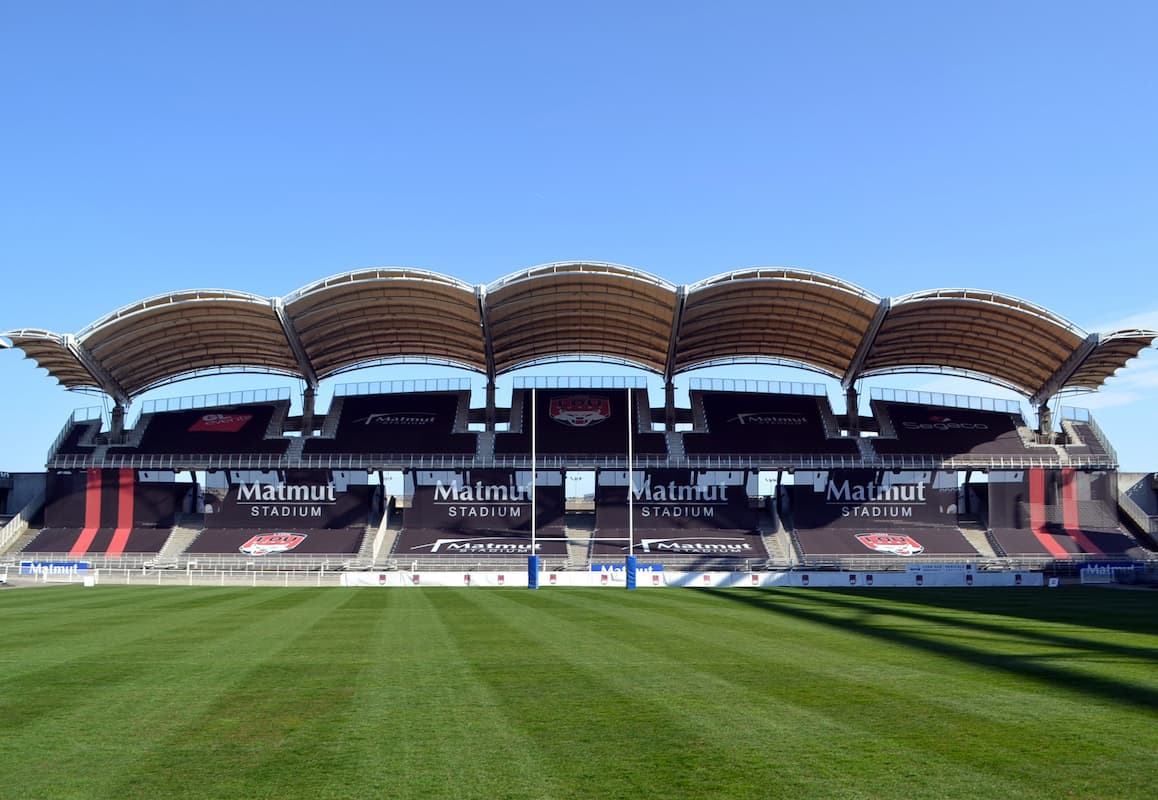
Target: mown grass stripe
[334, 693]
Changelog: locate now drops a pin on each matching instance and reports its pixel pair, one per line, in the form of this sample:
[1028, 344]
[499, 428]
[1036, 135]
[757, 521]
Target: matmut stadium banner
[664, 499]
[301, 498]
[854, 498]
[485, 499]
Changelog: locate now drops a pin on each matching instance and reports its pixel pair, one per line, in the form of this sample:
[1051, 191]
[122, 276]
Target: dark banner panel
[706, 544]
[301, 498]
[578, 421]
[485, 499]
[296, 540]
[1057, 512]
[680, 499]
[420, 543]
[1009, 500]
[112, 498]
[865, 499]
[936, 429]
[156, 504]
[65, 503]
[911, 542]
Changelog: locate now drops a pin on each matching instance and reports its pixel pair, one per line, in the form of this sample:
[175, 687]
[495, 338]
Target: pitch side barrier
[517, 578]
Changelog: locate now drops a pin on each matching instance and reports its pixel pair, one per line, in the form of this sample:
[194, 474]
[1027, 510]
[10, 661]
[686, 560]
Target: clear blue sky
[150, 147]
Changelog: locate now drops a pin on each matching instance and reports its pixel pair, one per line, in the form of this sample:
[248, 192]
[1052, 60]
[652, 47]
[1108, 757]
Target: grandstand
[747, 477]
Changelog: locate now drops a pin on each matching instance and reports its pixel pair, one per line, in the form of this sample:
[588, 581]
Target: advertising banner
[112, 498]
[704, 544]
[298, 498]
[421, 542]
[865, 498]
[883, 513]
[485, 500]
[679, 499]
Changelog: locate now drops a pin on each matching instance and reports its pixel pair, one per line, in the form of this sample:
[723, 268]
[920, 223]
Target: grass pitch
[148, 692]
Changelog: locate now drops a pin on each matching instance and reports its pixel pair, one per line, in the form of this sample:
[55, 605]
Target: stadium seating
[104, 541]
[251, 428]
[277, 543]
[439, 543]
[1080, 439]
[80, 438]
[578, 421]
[705, 549]
[916, 429]
[1027, 500]
[426, 422]
[108, 512]
[748, 423]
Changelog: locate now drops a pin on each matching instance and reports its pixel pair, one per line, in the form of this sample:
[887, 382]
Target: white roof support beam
[480, 293]
[91, 365]
[295, 342]
[866, 344]
[1066, 371]
[674, 340]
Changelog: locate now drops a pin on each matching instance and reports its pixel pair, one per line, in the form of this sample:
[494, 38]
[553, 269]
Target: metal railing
[402, 387]
[86, 414]
[580, 382]
[757, 386]
[1138, 515]
[245, 397]
[976, 403]
[393, 461]
[16, 527]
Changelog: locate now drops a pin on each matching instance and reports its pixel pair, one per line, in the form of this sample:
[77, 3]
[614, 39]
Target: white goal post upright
[629, 561]
[533, 558]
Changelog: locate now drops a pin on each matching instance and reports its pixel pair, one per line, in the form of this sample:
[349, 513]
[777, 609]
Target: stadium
[753, 482]
[884, 600]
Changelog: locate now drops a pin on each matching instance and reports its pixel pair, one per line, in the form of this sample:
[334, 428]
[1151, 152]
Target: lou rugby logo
[266, 543]
[580, 411]
[891, 543]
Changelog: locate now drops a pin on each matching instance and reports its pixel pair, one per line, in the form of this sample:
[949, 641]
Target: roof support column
[117, 422]
[484, 314]
[852, 411]
[669, 415]
[309, 396]
[490, 412]
[1045, 422]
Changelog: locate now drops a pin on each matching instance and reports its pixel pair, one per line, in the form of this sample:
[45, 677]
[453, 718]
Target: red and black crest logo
[580, 411]
[891, 543]
[267, 543]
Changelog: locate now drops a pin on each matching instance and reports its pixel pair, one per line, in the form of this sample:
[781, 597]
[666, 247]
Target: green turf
[148, 692]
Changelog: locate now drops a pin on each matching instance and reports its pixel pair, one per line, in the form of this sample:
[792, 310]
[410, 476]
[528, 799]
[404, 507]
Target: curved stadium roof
[581, 311]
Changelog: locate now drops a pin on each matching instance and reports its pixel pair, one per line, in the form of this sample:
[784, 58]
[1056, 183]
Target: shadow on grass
[1135, 610]
[812, 605]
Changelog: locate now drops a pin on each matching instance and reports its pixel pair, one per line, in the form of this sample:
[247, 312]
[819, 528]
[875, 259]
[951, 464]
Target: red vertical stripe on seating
[1037, 514]
[1070, 513]
[124, 515]
[92, 513]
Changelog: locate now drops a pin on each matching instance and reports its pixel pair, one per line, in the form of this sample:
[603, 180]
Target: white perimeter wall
[667, 578]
